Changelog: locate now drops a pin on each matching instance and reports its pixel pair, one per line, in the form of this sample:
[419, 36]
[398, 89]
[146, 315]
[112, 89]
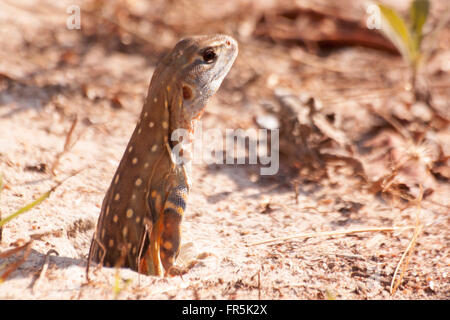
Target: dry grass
[332, 233]
[403, 264]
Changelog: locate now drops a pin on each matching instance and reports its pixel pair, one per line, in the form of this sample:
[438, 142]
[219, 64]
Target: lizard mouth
[232, 52]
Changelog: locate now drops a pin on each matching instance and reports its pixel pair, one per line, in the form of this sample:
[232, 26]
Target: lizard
[139, 226]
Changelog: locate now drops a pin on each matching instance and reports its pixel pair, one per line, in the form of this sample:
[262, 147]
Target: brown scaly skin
[140, 219]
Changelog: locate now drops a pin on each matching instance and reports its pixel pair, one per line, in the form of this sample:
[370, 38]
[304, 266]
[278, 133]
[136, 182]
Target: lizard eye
[209, 55]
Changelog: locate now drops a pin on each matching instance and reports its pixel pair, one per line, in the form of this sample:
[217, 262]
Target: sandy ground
[230, 206]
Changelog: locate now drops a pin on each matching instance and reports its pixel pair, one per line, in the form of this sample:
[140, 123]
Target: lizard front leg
[165, 236]
[172, 216]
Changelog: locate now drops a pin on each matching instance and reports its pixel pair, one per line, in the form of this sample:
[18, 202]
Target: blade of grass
[116, 287]
[404, 260]
[395, 28]
[119, 284]
[26, 207]
[37, 201]
[418, 16]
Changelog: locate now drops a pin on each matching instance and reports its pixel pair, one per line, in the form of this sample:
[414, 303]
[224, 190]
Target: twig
[390, 120]
[10, 252]
[258, 275]
[148, 230]
[259, 285]
[95, 240]
[295, 187]
[15, 265]
[44, 269]
[67, 145]
[138, 260]
[438, 204]
[407, 254]
[331, 233]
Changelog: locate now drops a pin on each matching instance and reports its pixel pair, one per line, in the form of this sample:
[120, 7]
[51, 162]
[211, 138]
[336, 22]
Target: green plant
[407, 35]
[33, 204]
[26, 208]
[119, 284]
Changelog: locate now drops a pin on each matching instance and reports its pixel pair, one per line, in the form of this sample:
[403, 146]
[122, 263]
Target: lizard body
[140, 220]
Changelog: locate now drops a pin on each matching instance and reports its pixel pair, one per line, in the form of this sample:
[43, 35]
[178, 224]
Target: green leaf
[26, 208]
[418, 15]
[395, 28]
[34, 203]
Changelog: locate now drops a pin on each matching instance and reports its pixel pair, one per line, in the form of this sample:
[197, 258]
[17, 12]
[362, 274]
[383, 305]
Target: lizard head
[198, 65]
